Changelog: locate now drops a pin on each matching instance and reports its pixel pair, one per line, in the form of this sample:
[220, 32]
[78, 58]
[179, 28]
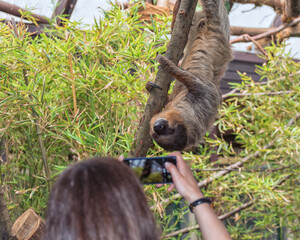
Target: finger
[171, 187]
[121, 158]
[182, 167]
[176, 176]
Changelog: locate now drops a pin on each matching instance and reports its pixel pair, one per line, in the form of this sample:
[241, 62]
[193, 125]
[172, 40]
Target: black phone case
[151, 170]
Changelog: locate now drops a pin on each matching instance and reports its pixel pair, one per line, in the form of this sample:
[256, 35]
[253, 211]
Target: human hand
[183, 179]
[121, 158]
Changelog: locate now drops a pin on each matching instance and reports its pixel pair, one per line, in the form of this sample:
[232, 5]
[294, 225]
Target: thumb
[176, 176]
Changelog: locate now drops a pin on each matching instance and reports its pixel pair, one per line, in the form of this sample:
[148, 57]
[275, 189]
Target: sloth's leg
[216, 16]
[193, 83]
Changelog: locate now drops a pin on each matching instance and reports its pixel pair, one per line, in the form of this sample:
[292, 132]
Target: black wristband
[198, 202]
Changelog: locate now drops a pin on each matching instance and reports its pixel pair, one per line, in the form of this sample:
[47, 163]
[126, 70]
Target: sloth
[193, 105]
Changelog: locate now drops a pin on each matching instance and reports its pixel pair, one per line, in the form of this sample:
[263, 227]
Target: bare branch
[158, 97]
[248, 38]
[14, 10]
[222, 217]
[261, 94]
[268, 170]
[237, 31]
[238, 209]
[268, 33]
[233, 91]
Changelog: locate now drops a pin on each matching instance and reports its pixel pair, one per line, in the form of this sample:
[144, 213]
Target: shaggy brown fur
[193, 105]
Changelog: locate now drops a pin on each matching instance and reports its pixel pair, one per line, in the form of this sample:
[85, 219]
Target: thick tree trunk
[64, 7]
[158, 97]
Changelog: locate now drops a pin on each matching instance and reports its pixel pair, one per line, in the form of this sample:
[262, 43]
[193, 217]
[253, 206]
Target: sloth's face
[168, 130]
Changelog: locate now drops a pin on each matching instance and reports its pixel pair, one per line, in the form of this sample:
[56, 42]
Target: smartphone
[151, 170]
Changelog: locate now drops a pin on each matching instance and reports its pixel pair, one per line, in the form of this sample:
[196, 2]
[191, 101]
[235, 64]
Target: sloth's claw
[151, 85]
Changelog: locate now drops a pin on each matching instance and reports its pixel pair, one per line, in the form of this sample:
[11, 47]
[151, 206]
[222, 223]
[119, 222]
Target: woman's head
[100, 199]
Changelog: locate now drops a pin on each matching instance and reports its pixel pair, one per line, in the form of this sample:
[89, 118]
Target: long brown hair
[99, 199]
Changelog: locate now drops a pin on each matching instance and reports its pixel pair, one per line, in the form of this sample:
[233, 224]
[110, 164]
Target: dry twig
[247, 37]
[232, 93]
[222, 217]
[262, 93]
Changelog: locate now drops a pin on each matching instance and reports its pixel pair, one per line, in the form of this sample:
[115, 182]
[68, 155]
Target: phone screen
[151, 170]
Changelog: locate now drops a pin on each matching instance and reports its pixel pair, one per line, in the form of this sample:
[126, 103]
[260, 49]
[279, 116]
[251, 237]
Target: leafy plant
[77, 93]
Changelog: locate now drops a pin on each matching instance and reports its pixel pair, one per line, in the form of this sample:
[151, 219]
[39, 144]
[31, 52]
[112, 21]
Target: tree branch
[15, 10]
[261, 94]
[236, 31]
[233, 91]
[222, 217]
[249, 38]
[268, 170]
[268, 33]
[293, 31]
[64, 7]
[158, 97]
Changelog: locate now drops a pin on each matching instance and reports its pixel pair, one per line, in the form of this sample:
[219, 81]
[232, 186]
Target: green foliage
[107, 70]
[110, 63]
[260, 117]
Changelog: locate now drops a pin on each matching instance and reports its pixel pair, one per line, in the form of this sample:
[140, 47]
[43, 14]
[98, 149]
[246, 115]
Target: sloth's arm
[193, 83]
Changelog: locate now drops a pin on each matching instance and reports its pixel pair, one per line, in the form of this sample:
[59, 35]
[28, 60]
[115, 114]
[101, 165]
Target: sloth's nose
[160, 126]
